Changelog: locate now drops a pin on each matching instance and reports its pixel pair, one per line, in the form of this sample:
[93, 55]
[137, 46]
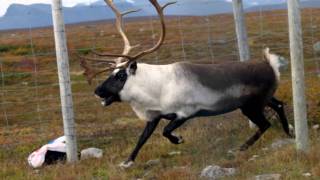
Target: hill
[39, 15]
[280, 6]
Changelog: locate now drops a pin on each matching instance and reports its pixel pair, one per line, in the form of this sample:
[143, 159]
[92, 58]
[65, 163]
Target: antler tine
[168, 4]
[111, 62]
[119, 25]
[160, 10]
[90, 73]
[118, 62]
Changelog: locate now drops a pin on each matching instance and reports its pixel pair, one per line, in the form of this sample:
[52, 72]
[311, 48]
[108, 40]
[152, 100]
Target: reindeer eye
[121, 76]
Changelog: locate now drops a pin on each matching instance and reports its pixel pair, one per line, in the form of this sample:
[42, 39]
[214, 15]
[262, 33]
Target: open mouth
[107, 101]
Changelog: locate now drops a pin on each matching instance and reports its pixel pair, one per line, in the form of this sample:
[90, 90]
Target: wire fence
[30, 103]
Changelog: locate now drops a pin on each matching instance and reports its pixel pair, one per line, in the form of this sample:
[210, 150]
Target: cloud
[130, 1]
[6, 3]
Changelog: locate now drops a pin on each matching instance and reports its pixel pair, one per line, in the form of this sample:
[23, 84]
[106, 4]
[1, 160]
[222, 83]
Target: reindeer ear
[266, 52]
[132, 67]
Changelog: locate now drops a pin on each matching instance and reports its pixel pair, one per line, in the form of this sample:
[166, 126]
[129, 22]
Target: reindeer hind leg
[278, 107]
[257, 117]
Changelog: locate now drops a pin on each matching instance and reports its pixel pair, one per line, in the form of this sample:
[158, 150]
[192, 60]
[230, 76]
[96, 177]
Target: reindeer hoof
[244, 147]
[180, 140]
[126, 164]
[176, 139]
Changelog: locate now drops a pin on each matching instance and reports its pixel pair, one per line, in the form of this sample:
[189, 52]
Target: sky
[6, 3]
[69, 3]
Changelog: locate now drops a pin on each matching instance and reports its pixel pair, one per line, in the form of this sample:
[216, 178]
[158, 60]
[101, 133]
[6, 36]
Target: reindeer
[180, 91]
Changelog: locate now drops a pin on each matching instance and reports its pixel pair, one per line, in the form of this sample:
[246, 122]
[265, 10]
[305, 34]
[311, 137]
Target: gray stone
[316, 126]
[307, 174]
[91, 153]
[153, 162]
[281, 143]
[215, 172]
[220, 41]
[316, 47]
[268, 177]
[174, 153]
[253, 158]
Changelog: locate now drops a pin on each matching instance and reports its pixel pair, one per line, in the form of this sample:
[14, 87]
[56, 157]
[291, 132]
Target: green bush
[16, 50]
[6, 48]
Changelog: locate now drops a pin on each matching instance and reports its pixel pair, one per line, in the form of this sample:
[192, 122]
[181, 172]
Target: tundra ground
[31, 115]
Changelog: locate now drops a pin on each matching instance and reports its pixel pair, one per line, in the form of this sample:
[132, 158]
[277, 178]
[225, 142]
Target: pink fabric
[37, 158]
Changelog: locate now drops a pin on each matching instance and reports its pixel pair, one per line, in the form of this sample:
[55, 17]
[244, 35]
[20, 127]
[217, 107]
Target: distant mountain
[20, 16]
[199, 8]
[304, 4]
[39, 15]
[262, 2]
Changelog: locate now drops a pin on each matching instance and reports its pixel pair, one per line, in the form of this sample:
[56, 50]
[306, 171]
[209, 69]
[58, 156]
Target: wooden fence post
[64, 81]
[242, 36]
[297, 68]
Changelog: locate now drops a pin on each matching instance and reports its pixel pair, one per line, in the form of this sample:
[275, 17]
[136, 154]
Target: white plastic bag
[37, 158]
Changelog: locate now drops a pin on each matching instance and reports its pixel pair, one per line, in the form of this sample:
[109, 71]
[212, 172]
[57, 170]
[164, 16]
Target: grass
[30, 112]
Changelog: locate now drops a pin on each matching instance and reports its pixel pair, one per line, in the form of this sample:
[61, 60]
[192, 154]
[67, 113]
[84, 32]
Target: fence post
[297, 68]
[242, 36]
[64, 81]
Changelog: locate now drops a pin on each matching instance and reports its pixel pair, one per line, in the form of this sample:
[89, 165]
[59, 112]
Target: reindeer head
[124, 65]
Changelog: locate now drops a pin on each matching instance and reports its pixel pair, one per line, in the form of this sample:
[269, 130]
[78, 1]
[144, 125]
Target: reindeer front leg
[174, 124]
[148, 130]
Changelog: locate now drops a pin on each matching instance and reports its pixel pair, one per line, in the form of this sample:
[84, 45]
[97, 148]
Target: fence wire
[29, 83]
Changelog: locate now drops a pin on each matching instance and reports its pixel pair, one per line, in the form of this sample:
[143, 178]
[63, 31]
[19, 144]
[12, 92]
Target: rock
[268, 177]
[316, 127]
[220, 41]
[218, 140]
[91, 153]
[153, 162]
[37, 171]
[25, 83]
[254, 157]
[141, 30]
[281, 142]
[307, 174]
[291, 128]
[174, 153]
[180, 167]
[215, 172]
[316, 47]
[232, 152]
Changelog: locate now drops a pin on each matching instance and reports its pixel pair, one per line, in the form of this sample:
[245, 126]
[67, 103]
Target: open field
[30, 112]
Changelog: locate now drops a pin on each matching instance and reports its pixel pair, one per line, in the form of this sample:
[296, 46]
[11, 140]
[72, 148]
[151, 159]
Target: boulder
[316, 126]
[91, 153]
[153, 162]
[281, 143]
[316, 47]
[268, 177]
[174, 153]
[215, 172]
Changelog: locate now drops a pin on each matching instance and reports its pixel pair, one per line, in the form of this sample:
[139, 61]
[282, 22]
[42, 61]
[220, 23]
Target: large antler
[160, 10]
[89, 72]
[119, 24]
[119, 61]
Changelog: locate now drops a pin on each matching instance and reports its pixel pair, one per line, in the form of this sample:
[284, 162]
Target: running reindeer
[181, 91]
